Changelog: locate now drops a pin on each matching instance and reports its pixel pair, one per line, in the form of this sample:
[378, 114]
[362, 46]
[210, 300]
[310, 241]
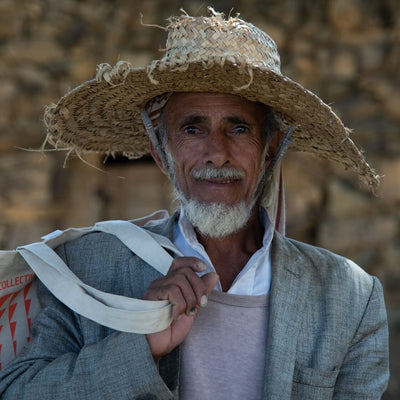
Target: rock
[352, 233]
[39, 50]
[345, 15]
[343, 201]
[344, 65]
[11, 20]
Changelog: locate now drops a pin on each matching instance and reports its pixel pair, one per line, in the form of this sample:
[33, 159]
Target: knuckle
[174, 290]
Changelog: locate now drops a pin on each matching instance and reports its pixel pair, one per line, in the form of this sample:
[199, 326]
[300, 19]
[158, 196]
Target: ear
[273, 146]
[157, 159]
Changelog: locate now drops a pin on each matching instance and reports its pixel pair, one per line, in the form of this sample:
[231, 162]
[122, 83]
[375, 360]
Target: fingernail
[201, 266]
[203, 300]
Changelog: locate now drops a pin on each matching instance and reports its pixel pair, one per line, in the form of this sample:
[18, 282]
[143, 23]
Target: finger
[188, 266]
[182, 286]
[182, 283]
[209, 281]
[191, 287]
[175, 297]
[197, 288]
[183, 289]
[194, 263]
[160, 289]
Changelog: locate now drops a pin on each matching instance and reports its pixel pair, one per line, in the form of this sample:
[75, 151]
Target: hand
[186, 291]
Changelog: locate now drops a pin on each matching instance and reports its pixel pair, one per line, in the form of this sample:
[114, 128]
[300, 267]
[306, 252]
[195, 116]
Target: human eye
[192, 125]
[191, 130]
[240, 129]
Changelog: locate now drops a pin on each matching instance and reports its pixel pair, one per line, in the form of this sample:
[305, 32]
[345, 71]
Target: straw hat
[203, 54]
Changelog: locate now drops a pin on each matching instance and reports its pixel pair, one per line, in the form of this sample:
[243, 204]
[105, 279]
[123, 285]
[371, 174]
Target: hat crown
[216, 39]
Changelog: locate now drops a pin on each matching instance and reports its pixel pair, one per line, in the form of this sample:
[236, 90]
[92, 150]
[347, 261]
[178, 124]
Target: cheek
[256, 165]
[185, 155]
[181, 168]
[253, 157]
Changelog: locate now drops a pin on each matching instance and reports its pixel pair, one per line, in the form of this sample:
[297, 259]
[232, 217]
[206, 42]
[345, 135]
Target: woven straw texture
[203, 54]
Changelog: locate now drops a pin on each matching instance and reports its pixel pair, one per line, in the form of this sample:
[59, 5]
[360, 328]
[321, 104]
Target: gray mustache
[217, 173]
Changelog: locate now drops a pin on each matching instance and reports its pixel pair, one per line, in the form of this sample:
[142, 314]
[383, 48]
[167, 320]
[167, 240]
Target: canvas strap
[117, 312]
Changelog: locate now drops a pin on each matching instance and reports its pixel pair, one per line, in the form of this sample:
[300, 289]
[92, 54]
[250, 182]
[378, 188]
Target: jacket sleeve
[64, 360]
[364, 373]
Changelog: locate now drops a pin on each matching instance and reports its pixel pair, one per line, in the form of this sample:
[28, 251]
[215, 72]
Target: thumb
[210, 280]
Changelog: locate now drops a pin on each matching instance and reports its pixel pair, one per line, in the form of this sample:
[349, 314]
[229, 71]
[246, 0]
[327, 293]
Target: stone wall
[347, 51]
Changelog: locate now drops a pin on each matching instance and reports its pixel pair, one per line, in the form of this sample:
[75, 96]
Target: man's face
[215, 130]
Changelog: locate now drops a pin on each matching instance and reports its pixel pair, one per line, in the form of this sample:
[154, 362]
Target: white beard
[216, 220]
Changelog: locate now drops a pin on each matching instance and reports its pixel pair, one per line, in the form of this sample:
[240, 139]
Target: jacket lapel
[289, 287]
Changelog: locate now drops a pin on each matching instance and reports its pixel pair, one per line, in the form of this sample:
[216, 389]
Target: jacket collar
[166, 228]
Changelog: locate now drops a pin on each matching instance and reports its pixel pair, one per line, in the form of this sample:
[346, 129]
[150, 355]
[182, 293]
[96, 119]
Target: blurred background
[346, 51]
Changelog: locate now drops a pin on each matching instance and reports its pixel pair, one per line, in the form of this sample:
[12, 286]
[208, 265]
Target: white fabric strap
[140, 242]
[114, 311]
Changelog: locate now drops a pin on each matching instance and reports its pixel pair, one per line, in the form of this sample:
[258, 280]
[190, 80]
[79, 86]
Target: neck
[230, 254]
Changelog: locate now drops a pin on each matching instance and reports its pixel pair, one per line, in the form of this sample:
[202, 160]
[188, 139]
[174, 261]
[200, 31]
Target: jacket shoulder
[101, 248]
[323, 265]
[103, 261]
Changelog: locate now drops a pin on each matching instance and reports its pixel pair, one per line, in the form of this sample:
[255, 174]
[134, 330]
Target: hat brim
[103, 116]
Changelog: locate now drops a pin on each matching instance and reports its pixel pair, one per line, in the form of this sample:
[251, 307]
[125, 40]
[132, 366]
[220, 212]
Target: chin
[216, 220]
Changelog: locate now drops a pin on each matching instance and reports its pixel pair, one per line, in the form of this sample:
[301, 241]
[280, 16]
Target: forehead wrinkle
[237, 120]
[193, 119]
[196, 119]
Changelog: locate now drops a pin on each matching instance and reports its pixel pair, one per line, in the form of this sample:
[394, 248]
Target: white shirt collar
[255, 277]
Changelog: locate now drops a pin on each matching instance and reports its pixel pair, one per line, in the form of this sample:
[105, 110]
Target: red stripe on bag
[4, 298]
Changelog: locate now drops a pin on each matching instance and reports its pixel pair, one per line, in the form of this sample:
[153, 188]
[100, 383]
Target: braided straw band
[203, 54]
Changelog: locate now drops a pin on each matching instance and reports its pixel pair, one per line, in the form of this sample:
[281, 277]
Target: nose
[217, 151]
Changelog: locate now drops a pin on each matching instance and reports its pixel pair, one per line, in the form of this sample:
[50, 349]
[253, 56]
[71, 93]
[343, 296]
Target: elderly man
[255, 315]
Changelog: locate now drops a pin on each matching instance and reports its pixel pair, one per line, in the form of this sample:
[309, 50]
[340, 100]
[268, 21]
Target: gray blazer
[327, 336]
